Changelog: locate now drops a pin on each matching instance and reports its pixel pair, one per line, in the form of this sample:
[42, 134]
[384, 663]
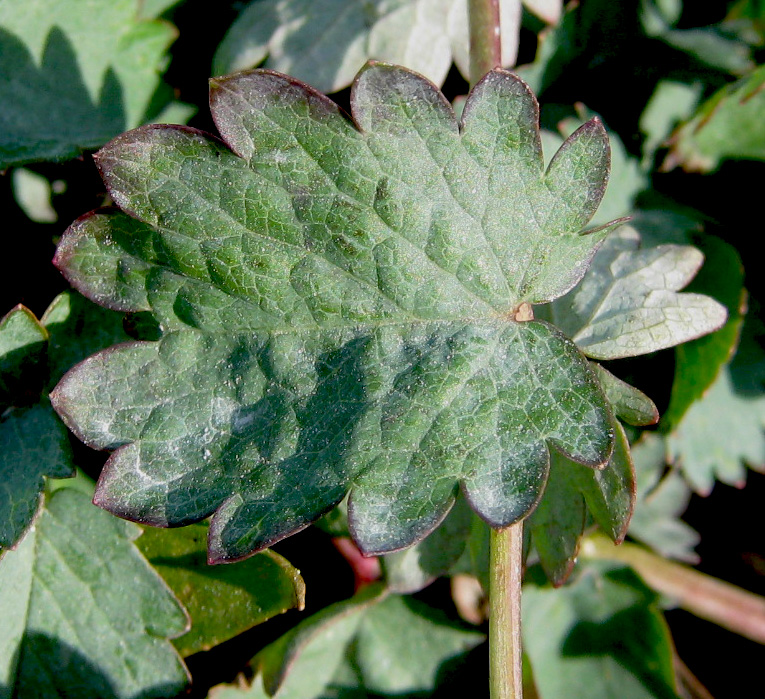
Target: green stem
[485, 45]
[506, 552]
[505, 579]
[708, 598]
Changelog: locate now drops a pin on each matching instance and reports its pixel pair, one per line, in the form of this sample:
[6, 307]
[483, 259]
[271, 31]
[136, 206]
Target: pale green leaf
[23, 343]
[719, 435]
[33, 193]
[662, 499]
[401, 647]
[548, 10]
[222, 601]
[66, 87]
[628, 303]
[84, 613]
[728, 125]
[382, 262]
[670, 103]
[577, 643]
[395, 645]
[326, 42]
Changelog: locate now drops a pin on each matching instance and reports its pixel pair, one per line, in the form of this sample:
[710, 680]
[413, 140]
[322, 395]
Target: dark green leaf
[629, 404]
[222, 601]
[324, 261]
[83, 613]
[33, 444]
[558, 522]
[608, 493]
[77, 327]
[577, 642]
[698, 363]
[67, 87]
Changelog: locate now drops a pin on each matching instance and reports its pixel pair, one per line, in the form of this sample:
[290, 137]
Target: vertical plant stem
[485, 44]
[506, 548]
[505, 578]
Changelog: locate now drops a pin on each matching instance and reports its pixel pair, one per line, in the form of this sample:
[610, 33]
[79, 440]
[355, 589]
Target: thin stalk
[485, 44]
[708, 598]
[505, 579]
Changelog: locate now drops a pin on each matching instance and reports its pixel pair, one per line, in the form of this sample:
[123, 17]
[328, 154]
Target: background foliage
[679, 88]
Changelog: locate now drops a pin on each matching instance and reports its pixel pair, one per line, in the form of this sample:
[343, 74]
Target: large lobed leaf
[338, 303]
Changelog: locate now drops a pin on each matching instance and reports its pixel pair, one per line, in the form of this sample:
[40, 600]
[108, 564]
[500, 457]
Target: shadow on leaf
[46, 111]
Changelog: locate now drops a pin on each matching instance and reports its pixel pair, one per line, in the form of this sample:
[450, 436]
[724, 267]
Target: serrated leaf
[395, 645]
[719, 435]
[222, 601]
[82, 611]
[325, 42]
[728, 125]
[576, 643]
[628, 304]
[23, 342]
[662, 499]
[383, 264]
[66, 87]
